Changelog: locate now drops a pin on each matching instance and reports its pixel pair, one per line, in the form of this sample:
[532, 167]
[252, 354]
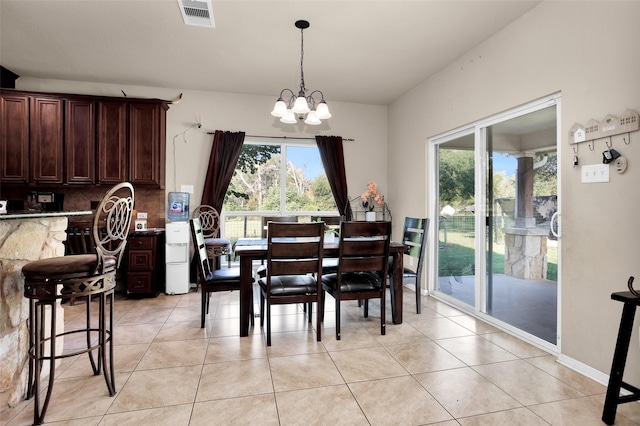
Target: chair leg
[337, 318]
[252, 314]
[418, 296]
[39, 412]
[318, 319]
[366, 308]
[203, 306]
[268, 323]
[392, 293]
[383, 312]
[94, 366]
[261, 308]
[310, 310]
[103, 340]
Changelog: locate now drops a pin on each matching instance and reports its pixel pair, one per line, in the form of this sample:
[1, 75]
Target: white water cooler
[177, 257]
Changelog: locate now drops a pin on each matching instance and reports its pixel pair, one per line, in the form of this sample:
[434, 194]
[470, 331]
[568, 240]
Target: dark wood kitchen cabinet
[145, 270]
[147, 139]
[14, 138]
[112, 142]
[80, 141]
[45, 140]
[60, 139]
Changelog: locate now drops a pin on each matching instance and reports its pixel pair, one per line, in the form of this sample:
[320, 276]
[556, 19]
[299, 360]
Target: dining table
[252, 249]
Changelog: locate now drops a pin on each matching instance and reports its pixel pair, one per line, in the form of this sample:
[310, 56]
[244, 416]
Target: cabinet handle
[139, 243]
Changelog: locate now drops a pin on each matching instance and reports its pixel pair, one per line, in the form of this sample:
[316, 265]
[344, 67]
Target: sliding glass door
[456, 253]
[497, 201]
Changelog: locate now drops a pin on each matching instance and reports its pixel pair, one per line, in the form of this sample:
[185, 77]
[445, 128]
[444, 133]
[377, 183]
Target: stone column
[526, 253]
[22, 241]
[524, 192]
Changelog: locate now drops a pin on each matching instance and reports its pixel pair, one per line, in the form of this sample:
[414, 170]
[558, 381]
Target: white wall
[365, 157]
[587, 51]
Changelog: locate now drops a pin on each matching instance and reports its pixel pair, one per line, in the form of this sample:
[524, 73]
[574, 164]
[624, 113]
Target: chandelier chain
[303, 89]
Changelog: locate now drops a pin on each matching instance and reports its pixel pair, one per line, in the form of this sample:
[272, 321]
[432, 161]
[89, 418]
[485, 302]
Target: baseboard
[584, 369]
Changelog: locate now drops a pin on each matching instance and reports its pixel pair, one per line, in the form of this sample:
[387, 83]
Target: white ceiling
[369, 52]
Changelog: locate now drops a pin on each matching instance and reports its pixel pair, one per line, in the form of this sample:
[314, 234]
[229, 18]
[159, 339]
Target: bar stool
[631, 300]
[48, 280]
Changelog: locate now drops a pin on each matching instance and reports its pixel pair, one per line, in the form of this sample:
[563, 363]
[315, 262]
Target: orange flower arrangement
[371, 197]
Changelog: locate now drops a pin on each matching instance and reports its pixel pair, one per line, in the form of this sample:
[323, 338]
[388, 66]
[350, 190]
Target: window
[275, 179]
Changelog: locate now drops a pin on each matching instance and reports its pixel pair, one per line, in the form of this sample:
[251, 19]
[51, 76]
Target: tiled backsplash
[151, 201]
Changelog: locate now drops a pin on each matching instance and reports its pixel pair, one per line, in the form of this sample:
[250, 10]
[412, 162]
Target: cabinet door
[14, 138]
[112, 142]
[46, 140]
[147, 144]
[80, 141]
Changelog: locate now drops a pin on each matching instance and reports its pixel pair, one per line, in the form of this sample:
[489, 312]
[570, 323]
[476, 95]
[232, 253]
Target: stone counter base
[22, 241]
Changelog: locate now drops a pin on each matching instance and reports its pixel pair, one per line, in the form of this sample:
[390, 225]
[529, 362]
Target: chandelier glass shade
[290, 107]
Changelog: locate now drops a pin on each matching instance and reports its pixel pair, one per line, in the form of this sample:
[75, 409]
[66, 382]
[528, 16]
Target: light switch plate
[186, 188]
[595, 173]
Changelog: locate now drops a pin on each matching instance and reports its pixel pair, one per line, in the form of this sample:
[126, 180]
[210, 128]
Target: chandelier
[290, 107]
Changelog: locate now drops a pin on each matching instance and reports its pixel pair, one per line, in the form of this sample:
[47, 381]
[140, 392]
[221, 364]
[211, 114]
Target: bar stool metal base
[43, 294]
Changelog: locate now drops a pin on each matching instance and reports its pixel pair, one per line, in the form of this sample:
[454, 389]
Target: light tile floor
[438, 368]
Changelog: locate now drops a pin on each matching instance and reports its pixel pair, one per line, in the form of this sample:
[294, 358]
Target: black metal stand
[616, 383]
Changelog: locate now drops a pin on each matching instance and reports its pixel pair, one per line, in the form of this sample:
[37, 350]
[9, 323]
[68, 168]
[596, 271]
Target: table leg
[246, 279]
[398, 268]
[619, 361]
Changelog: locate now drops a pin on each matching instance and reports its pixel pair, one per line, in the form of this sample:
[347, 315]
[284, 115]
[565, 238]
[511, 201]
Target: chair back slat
[330, 222]
[415, 234]
[364, 247]
[294, 248]
[267, 219]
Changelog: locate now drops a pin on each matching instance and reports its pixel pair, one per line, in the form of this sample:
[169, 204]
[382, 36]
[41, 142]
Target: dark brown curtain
[225, 152]
[332, 155]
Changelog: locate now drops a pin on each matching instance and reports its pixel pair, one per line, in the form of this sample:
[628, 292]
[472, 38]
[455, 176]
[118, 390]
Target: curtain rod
[283, 137]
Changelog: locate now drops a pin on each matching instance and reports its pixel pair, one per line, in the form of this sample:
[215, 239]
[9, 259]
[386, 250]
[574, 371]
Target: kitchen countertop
[149, 231]
[27, 214]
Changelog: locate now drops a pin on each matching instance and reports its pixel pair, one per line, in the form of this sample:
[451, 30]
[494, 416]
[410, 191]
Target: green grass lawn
[457, 256]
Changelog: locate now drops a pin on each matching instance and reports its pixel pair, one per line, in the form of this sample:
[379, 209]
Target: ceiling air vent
[197, 13]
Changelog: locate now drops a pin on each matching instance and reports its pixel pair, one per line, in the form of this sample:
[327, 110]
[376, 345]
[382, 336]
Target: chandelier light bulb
[322, 111]
[279, 109]
[301, 106]
[289, 118]
[312, 119]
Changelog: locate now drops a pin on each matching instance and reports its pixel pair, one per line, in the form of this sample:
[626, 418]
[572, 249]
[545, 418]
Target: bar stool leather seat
[76, 266]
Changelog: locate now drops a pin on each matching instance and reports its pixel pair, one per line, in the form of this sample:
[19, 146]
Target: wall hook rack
[610, 126]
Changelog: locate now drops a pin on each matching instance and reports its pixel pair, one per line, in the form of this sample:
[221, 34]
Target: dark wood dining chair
[261, 272]
[294, 269]
[331, 223]
[362, 267]
[415, 237]
[267, 219]
[211, 280]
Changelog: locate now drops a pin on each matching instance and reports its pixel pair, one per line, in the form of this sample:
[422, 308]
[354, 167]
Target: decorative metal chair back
[209, 220]
[111, 224]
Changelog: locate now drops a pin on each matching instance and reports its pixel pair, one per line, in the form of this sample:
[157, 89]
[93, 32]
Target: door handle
[554, 219]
